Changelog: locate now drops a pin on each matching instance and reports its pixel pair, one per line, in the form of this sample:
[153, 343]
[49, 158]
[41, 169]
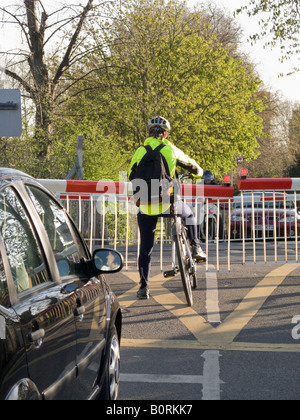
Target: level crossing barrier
[259, 225]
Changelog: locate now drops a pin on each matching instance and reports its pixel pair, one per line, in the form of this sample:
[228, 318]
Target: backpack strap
[149, 150]
[157, 149]
[160, 147]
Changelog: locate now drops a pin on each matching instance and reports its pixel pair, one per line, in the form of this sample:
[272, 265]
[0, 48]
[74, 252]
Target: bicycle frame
[178, 222]
[187, 265]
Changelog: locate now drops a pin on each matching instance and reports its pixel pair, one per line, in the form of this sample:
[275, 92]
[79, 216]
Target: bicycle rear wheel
[183, 262]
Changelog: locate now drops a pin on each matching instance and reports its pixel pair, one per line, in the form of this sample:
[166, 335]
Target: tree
[280, 23]
[228, 33]
[278, 148]
[294, 134]
[160, 57]
[44, 79]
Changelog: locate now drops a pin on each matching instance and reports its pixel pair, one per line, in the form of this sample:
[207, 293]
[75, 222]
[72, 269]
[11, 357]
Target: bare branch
[65, 62]
[18, 21]
[19, 79]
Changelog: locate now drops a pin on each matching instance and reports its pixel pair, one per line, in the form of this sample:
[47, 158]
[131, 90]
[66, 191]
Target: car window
[66, 243]
[23, 251]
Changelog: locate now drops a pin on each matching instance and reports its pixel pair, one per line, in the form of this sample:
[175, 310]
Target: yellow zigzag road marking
[197, 345]
[222, 336]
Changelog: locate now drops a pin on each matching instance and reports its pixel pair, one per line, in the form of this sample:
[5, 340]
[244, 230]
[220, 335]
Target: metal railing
[269, 220]
[260, 225]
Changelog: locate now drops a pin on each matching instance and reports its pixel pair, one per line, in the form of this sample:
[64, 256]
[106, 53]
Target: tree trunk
[39, 71]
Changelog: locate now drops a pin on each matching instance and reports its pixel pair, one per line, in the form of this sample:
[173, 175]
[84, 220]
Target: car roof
[8, 175]
[6, 172]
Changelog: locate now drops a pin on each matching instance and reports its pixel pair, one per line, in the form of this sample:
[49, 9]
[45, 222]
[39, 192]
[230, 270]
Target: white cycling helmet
[159, 122]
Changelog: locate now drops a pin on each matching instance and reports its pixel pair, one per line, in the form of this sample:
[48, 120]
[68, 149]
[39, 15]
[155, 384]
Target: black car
[60, 324]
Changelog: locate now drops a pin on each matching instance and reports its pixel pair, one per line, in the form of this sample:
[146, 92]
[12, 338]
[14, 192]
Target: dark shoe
[198, 254]
[143, 293]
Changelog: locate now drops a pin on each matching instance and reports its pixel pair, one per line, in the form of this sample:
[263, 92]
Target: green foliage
[158, 57]
[279, 22]
[103, 154]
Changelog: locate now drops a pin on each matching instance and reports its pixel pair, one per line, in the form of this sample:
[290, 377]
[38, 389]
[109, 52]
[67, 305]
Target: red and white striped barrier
[269, 184]
[86, 187]
[125, 188]
[74, 188]
[207, 191]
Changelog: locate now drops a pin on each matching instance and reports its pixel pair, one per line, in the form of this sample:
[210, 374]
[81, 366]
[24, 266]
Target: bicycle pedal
[170, 273]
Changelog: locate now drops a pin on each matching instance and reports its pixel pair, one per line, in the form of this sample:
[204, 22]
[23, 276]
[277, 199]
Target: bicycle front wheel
[183, 262]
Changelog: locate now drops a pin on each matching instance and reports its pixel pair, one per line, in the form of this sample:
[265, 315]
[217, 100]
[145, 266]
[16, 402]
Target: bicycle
[186, 264]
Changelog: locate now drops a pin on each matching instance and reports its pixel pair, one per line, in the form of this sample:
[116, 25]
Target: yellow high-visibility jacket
[174, 156]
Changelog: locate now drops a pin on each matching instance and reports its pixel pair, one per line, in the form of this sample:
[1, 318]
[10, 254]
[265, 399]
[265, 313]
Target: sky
[266, 60]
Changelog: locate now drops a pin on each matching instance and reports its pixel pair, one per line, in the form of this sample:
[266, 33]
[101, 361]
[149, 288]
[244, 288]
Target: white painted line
[210, 381]
[212, 297]
[211, 376]
[161, 379]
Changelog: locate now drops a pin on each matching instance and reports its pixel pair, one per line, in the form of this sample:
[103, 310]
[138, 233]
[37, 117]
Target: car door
[90, 311]
[44, 309]
[13, 364]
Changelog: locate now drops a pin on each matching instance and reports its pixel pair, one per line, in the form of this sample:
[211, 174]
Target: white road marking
[210, 380]
[211, 376]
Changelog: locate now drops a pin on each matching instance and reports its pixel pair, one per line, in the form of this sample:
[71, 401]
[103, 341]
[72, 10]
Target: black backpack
[151, 180]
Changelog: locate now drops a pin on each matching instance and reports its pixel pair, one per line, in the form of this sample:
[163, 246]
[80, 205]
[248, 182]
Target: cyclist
[158, 129]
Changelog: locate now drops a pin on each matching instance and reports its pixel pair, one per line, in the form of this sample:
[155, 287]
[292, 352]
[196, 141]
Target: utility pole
[78, 167]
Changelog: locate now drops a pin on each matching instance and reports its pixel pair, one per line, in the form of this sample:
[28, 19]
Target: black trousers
[147, 225]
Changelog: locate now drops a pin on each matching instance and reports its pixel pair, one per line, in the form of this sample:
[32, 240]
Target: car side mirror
[107, 261]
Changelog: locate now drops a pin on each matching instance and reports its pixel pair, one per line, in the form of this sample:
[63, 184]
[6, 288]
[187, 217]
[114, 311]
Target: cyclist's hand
[196, 176]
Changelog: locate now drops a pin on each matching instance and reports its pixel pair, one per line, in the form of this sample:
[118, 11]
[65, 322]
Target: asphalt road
[240, 341]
